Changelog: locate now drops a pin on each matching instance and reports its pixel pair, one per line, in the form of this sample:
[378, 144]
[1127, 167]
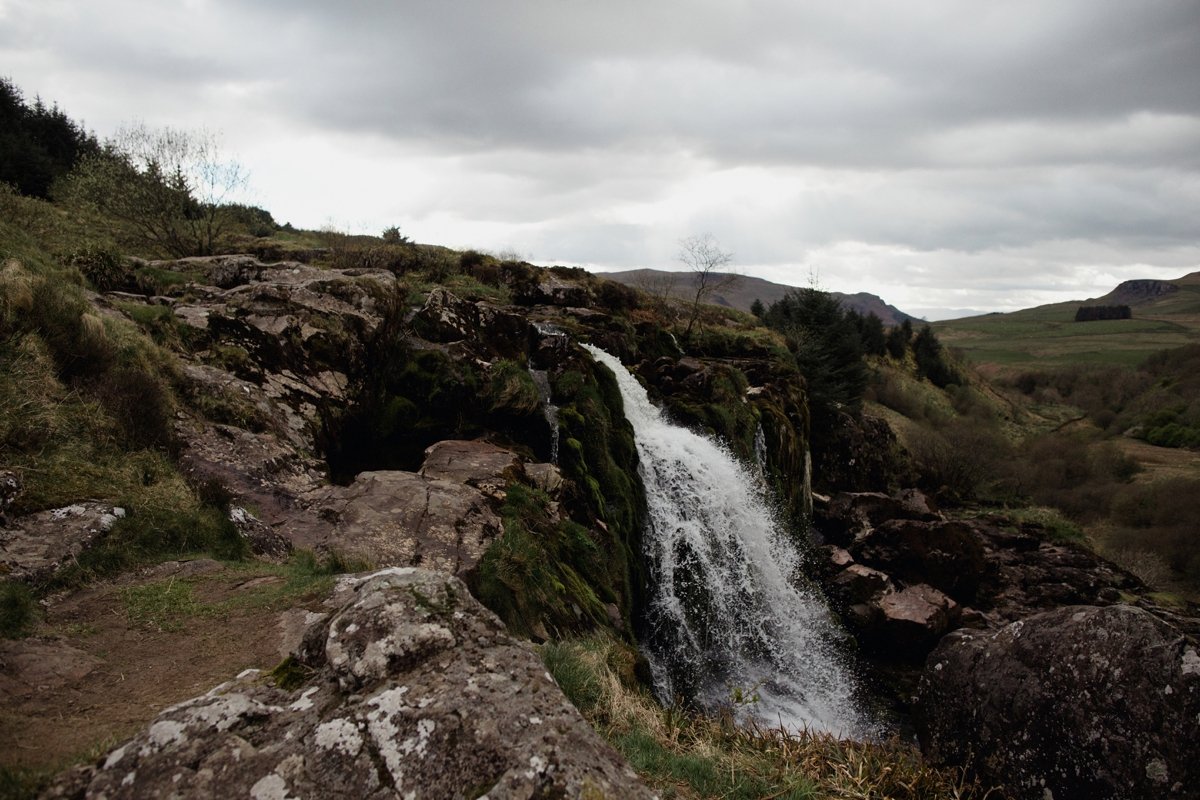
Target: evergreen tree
[931, 362]
[38, 144]
[827, 348]
[898, 339]
[758, 309]
[870, 329]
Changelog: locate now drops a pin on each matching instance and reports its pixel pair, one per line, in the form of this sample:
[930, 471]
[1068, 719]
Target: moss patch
[543, 576]
[599, 457]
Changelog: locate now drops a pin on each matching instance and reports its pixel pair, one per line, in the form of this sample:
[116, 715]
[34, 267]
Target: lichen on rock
[411, 689]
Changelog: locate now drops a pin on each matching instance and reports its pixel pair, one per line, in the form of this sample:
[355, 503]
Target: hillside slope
[742, 294]
[1165, 314]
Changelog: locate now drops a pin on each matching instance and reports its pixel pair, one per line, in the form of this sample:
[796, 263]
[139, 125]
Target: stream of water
[729, 624]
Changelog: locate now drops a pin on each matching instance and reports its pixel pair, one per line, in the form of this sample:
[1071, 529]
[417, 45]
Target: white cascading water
[726, 621]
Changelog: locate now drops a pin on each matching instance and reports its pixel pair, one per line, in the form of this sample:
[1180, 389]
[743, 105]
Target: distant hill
[1137, 292]
[1166, 314]
[746, 290]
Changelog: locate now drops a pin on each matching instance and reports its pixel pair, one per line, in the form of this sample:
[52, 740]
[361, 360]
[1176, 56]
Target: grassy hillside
[1048, 336]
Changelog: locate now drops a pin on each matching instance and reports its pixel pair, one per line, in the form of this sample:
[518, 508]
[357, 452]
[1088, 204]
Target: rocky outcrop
[446, 318]
[34, 547]
[1138, 291]
[947, 555]
[442, 517]
[408, 689]
[404, 519]
[1079, 703]
[992, 570]
[352, 420]
[484, 466]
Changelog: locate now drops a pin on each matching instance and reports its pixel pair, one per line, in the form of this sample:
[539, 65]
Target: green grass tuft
[18, 610]
[160, 606]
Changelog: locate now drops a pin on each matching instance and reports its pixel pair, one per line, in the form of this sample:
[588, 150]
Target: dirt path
[109, 657]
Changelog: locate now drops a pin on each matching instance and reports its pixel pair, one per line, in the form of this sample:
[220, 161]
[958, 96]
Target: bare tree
[171, 188]
[705, 258]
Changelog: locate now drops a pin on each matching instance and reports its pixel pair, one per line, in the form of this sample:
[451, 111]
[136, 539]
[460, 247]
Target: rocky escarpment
[345, 411]
[1139, 291]
[315, 395]
[1037, 665]
[354, 417]
[407, 688]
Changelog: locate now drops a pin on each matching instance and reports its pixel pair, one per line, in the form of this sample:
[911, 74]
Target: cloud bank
[941, 154]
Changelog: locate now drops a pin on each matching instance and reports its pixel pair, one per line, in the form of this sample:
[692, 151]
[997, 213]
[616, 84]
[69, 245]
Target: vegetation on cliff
[685, 755]
[110, 360]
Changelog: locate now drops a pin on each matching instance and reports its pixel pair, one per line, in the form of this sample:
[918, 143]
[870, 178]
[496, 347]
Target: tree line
[39, 144]
[171, 192]
[1095, 313]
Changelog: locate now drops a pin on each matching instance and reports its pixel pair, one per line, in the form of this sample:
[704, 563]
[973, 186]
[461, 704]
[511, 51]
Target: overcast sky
[944, 155]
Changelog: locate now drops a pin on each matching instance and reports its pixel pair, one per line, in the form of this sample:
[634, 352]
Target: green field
[1048, 336]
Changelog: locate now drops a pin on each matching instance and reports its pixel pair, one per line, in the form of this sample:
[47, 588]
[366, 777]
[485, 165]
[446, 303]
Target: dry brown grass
[685, 755]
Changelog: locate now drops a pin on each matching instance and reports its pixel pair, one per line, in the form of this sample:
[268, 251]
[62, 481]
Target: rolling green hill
[1165, 314]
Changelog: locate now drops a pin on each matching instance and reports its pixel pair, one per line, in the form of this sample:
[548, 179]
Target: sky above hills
[944, 155]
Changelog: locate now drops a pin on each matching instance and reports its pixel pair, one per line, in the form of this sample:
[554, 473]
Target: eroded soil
[107, 658]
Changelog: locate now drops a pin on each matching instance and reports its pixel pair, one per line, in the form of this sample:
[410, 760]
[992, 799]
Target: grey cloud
[794, 85]
[952, 133]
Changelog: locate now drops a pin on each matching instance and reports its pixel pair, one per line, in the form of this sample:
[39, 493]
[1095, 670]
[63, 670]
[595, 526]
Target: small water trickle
[728, 624]
[760, 449]
[541, 379]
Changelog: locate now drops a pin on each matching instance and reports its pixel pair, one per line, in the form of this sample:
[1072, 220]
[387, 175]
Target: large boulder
[391, 518]
[1079, 703]
[947, 555]
[484, 466]
[409, 689]
[911, 621]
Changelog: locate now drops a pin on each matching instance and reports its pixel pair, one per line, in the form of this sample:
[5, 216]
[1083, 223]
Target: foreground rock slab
[410, 689]
[1080, 703]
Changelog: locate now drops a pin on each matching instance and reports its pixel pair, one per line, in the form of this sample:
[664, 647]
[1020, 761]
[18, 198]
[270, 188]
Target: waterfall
[727, 624]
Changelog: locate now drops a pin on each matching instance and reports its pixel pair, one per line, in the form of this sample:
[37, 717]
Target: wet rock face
[1078, 703]
[409, 689]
